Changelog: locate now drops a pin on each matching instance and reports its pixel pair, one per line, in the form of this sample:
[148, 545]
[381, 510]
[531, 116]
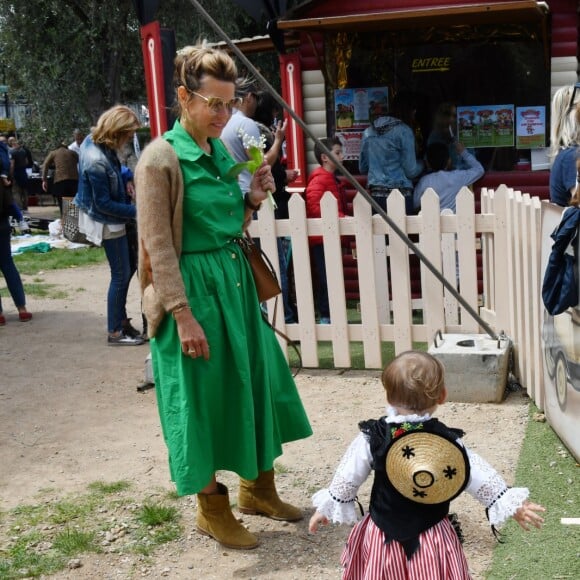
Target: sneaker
[2, 320]
[123, 340]
[130, 330]
[24, 316]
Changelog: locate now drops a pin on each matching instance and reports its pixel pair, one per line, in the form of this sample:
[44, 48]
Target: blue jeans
[321, 289]
[8, 267]
[381, 194]
[289, 312]
[117, 251]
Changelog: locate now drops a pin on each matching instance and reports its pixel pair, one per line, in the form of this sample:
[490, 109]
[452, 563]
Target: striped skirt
[440, 556]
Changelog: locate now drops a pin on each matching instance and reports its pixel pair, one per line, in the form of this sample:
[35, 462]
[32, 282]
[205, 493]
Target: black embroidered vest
[398, 517]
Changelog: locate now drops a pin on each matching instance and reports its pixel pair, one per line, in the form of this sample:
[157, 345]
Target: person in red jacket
[321, 180]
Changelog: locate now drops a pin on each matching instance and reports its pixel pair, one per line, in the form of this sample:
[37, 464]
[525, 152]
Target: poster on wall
[351, 141]
[561, 349]
[354, 110]
[530, 127]
[486, 125]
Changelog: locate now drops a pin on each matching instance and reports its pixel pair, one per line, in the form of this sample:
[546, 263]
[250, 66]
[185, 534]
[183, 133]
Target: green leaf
[256, 155]
[255, 161]
[236, 169]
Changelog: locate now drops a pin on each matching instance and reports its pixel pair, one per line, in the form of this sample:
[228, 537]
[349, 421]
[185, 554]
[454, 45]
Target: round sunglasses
[217, 104]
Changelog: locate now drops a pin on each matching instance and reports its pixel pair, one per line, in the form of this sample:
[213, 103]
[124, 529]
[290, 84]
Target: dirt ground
[70, 414]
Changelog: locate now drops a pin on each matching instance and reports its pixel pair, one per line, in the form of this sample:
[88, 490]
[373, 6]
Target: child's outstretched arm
[337, 503]
[526, 515]
[501, 502]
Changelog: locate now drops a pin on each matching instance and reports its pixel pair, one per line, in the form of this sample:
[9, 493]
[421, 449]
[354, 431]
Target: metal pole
[428, 264]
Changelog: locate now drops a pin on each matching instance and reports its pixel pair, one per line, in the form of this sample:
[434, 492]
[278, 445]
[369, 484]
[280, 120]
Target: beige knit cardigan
[159, 195]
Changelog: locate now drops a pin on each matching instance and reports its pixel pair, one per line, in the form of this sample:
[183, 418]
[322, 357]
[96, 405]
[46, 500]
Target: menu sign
[486, 126]
[530, 127]
[355, 109]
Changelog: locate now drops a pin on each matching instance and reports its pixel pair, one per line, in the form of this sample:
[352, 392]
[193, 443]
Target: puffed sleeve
[488, 487]
[337, 502]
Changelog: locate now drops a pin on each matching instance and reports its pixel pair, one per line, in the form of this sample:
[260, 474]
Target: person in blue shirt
[446, 181]
[388, 154]
[444, 131]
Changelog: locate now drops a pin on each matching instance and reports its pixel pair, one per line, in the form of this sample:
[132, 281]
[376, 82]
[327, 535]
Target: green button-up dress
[236, 410]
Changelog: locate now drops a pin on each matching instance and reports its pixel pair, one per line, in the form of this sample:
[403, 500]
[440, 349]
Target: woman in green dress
[226, 397]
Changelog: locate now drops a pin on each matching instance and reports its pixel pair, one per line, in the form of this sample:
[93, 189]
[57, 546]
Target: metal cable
[350, 178]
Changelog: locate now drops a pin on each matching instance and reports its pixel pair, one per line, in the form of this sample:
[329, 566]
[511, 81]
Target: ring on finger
[191, 351]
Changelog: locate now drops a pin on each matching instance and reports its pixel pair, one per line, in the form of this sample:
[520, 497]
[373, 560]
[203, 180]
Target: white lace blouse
[337, 502]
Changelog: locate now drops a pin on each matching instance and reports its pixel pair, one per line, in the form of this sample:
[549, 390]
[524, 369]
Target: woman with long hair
[564, 143]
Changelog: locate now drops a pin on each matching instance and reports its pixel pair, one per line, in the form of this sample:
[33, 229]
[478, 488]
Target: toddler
[420, 465]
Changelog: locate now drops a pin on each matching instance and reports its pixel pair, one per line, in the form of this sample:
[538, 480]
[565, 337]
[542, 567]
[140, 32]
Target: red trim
[347, 7]
[153, 62]
[291, 74]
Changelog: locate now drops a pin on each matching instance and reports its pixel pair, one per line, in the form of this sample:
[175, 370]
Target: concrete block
[476, 366]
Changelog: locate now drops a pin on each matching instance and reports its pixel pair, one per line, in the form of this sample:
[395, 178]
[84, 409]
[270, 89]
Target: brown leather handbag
[265, 278]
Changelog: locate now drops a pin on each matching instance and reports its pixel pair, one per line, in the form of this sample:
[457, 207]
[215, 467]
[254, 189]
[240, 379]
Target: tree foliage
[71, 59]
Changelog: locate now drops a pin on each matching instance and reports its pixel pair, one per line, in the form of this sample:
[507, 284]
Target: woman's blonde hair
[565, 121]
[414, 380]
[193, 63]
[114, 125]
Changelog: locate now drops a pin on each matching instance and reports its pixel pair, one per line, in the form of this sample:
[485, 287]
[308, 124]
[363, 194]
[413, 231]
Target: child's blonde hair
[414, 380]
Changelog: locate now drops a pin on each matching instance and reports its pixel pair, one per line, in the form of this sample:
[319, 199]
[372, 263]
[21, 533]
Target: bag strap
[249, 240]
[291, 343]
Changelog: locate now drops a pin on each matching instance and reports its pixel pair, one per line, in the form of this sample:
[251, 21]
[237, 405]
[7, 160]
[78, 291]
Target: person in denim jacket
[7, 266]
[388, 154]
[105, 209]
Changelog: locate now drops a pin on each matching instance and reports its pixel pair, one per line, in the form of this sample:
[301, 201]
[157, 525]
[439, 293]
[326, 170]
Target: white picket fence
[506, 232]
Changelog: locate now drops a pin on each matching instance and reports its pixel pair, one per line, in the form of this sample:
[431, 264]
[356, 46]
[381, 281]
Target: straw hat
[427, 468]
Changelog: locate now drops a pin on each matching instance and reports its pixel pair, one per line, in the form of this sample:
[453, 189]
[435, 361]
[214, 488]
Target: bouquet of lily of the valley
[255, 150]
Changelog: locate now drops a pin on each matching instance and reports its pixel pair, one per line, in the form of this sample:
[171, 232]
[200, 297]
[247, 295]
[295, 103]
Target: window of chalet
[470, 65]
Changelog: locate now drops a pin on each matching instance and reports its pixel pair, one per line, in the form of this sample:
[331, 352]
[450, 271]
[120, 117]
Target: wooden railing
[506, 233]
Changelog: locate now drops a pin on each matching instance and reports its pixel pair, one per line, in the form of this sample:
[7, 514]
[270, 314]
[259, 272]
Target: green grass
[71, 542]
[551, 474]
[39, 540]
[34, 264]
[104, 488]
[156, 514]
[159, 525]
[45, 291]
[57, 259]
[326, 359]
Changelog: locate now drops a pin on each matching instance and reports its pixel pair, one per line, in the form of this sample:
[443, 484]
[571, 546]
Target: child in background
[447, 182]
[420, 465]
[321, 180]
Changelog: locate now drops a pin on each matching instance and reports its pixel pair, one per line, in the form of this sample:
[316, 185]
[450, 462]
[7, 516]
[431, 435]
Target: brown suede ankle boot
[216, 520]
[260, 497]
